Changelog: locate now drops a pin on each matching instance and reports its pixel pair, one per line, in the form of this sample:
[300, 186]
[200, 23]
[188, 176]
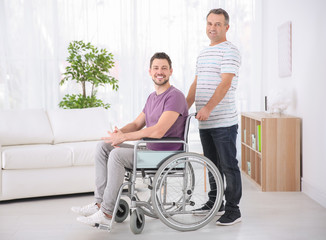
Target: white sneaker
[96, 219]
[86, 210]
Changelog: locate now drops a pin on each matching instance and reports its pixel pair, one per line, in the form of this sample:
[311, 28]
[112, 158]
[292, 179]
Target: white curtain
[34, 36]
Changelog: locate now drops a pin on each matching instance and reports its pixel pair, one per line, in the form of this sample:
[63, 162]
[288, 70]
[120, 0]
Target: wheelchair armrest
[159, 140]
[162, 139]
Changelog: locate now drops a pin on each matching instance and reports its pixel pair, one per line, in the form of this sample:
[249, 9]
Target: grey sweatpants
[110, 166]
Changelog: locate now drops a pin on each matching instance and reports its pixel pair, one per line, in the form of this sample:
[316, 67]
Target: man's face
[160, 71]
[216, 28]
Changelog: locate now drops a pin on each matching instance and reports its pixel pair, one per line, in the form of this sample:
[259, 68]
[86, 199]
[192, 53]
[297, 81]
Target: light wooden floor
[281, 215]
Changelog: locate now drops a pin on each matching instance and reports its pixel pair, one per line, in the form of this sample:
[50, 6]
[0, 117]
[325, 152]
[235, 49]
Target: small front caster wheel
[137, 221]
[122, 212]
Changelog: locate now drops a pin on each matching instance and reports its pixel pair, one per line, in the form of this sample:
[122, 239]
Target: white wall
[307, 85]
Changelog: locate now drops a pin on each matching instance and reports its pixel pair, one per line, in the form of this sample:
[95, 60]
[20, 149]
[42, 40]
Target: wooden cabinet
[271, 150]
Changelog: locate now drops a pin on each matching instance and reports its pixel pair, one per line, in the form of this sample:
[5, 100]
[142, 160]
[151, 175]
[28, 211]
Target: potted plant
[88, 66]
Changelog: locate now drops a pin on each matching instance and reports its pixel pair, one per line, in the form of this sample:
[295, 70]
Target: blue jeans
[219, 145]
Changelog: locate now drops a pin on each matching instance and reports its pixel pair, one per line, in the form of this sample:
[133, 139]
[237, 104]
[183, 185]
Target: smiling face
[160, 71]
[216, 28]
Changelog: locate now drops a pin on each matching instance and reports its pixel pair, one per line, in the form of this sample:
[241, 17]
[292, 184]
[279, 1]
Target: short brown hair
[160, 55]
[220, 11]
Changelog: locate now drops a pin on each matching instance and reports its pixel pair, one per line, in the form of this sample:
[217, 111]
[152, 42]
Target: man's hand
[115, 138]
[203, 114]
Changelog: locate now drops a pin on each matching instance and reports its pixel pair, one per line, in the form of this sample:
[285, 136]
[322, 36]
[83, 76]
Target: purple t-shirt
[171, 100]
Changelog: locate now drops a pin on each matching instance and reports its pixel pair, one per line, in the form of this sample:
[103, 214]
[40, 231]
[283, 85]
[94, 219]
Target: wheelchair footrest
[102, 227]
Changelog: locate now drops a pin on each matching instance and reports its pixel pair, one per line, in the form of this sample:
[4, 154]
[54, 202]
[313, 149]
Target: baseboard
[313, 192]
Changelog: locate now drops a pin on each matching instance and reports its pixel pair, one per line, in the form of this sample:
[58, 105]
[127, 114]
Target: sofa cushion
[75, 125]
[83, 152]
[36, 157]
[24, 127]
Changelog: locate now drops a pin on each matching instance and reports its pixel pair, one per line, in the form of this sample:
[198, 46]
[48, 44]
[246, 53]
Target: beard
[161, 84]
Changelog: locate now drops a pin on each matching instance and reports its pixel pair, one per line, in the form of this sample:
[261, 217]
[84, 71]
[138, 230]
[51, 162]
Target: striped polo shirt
[211, 62]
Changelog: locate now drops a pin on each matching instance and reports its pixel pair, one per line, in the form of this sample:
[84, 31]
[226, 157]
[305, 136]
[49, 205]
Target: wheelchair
[175, 186]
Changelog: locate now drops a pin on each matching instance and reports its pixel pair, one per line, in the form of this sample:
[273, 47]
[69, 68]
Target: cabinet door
[280, 163]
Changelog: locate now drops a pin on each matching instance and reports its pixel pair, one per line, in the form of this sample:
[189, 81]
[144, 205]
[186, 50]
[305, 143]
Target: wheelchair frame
[174, 165]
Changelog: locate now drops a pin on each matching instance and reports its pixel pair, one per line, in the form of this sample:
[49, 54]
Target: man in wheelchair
[164, 115]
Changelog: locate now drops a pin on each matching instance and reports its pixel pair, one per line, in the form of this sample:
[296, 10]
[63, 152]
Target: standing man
[213, 92]
[164, 115]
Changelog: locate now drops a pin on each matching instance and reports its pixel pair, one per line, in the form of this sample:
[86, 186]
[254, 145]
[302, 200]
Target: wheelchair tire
[179, 188]
[137, 221]
[123, 211]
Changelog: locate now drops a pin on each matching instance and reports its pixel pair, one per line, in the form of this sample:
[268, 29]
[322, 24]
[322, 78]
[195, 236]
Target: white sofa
[51, 152]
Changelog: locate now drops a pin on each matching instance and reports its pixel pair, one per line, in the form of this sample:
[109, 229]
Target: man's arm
[136, 125]
[165, 122]
[192, 93]
[218, 95]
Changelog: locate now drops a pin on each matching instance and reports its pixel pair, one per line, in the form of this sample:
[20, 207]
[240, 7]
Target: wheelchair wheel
[180, 186]
[137, 221]
[122, 212]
